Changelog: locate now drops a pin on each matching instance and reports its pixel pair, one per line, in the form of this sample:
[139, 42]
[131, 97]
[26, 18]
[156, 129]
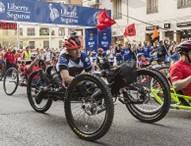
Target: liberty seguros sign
[45, 12]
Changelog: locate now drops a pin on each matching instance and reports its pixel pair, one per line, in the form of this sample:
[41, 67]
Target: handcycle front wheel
[11, 81]
[88, 116]
[156, 102]
[35, 83]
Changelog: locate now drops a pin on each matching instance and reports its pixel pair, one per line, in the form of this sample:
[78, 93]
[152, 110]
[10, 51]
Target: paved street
[20, 125]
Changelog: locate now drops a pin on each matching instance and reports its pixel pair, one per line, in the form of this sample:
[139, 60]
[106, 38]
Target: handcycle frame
[175, 97]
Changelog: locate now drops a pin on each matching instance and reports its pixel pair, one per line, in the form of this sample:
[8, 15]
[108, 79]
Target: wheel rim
[153, 88]
[11, 81]
[35, 86]
[85, 111]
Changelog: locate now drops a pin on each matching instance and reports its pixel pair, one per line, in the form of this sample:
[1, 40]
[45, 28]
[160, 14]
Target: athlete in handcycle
[79, 92]
[88, 101]
[180, 78]
[18, 76]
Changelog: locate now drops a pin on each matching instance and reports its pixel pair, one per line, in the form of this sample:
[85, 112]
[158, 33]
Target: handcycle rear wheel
[35, 83]
[11, 81]
[90, 118]
[157, 101]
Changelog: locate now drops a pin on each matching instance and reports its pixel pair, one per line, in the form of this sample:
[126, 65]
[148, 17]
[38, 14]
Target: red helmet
[74, 42]
[184, 46]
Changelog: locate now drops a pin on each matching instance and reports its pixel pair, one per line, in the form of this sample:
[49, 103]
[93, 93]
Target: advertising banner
[46, 12]
[104, 40]
[91, 39]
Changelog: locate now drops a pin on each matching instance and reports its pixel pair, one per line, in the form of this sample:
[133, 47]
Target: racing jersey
[74, 67]
[181, 70]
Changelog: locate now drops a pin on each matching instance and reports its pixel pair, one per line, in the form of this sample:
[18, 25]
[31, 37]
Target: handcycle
[87, 100]
[179, 100]
[147, 98]
[15, 77]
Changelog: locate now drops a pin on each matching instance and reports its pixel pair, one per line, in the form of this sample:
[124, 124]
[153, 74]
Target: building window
[117, 7]
[61, 32]
[21, 31]
[30, 31]
[183, 4]
[32, 44]
[152, 6]
[170, 35]
[94, 3]
[44, 31]
[45, 44]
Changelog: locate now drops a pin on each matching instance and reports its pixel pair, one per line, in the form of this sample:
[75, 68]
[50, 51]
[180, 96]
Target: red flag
[155, 34]
[130, 30]
[102, 26]
[104, 20]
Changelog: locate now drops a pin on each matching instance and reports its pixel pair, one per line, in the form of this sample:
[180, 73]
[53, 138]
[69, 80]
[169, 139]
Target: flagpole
[120, 28]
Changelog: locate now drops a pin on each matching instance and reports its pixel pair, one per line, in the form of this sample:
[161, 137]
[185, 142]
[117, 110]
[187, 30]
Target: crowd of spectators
[160, 52]
[19, 58]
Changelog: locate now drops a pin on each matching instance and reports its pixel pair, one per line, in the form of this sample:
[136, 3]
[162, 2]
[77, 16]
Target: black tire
[152, 114]
[33, 88]
[11, 81]
[106, 101]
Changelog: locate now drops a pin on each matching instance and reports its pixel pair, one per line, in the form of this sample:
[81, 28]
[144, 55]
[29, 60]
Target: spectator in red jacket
[10, 58]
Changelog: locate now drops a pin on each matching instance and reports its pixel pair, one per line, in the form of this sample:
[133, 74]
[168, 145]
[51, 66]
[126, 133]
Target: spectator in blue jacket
[119, 54]
[127, 53]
